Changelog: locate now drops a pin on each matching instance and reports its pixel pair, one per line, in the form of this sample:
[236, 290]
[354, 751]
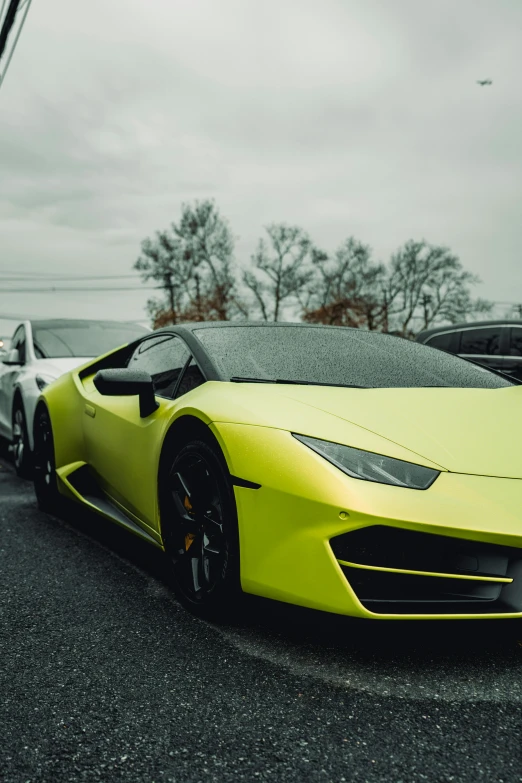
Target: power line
[12, 276]
[83, 289]
[10, 17]
[2, 9]
[11, 316]
[28, 273]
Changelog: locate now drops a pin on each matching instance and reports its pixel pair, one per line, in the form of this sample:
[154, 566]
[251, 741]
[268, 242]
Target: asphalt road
[103, 677]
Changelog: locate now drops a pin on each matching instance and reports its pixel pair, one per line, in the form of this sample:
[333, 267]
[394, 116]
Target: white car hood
[57, 367]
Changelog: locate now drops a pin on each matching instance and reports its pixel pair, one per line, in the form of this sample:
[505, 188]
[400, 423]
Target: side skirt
[78, 479]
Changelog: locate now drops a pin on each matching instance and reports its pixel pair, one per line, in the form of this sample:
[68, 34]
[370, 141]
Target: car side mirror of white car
[13, 357]
[120, 382]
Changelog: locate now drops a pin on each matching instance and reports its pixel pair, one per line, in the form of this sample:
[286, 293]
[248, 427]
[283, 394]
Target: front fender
[66, 409]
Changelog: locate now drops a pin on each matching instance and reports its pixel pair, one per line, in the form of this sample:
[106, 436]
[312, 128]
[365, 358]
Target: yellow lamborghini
[348, 471]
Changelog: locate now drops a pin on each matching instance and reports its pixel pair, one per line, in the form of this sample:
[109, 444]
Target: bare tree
[206, 237]
[348, 289]
[282, 269]
[162, 260]
[193, 264]
[426, 284]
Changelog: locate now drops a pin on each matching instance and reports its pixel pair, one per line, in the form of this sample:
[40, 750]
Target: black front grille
[392, 592]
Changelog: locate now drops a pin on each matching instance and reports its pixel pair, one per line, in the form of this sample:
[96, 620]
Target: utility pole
[12, 21]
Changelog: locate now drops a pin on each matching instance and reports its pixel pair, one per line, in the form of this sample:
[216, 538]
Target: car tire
[44, 470]
[21, 450]
[200, 530]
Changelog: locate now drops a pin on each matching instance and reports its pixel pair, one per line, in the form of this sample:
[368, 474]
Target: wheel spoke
[180, 485]
[196, 507]
[182, 511]
[213, 526]
[211, 549]
[18, 438]
[195, 564]
[210, 566]
[43, 456]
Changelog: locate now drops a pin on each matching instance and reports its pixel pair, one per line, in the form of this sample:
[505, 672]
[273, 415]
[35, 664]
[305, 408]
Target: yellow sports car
[344, 470]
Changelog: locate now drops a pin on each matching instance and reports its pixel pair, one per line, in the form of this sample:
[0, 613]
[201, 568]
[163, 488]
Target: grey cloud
[345, 117]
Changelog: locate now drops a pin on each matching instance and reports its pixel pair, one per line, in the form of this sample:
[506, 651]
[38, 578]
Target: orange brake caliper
[189, 537]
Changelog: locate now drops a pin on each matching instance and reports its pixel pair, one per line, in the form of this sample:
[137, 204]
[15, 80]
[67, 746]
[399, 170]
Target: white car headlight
[43, 380]
[372, 467]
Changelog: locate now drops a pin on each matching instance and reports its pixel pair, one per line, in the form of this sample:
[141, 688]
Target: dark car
[495, 344]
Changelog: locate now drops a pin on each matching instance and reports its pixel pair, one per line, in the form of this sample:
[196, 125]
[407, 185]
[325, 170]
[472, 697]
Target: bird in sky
[484, 82]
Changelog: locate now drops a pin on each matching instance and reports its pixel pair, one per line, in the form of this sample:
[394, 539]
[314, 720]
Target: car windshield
[84, 340]
[337, 356]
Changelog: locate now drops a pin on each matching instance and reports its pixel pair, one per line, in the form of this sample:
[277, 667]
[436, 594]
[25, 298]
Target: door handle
[90, 410]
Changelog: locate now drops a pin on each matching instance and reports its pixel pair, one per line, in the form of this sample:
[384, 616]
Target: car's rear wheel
[21, 450]
[200, 532]
[45, 479]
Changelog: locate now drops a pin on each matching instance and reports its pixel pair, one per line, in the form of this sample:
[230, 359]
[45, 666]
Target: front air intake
[396, 571]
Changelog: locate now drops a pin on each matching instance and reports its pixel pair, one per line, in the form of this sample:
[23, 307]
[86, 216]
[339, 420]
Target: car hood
[473, 431]
[57, 367]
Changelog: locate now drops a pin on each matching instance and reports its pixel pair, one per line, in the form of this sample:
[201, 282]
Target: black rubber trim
[182, 373]
[116, 359]
[239, 482]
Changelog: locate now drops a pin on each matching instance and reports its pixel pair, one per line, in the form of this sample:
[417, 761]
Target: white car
[5, 342]
[40, 352]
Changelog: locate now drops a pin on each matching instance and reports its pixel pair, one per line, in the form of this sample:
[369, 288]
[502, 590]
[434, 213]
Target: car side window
[164, 358]
[192, 378]
[484, 342]
[15, 339]
[515, 343]
[441, 341]
[19, 343]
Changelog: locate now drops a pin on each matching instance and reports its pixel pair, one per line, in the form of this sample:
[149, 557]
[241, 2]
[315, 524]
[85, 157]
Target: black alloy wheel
[199, 521]
[45, 479]
[20, 449]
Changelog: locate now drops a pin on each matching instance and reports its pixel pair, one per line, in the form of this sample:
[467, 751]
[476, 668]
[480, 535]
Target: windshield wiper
[239, 379]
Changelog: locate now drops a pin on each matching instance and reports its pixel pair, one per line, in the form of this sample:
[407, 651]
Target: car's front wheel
[45, 479]
[200, 532]
[20, 446]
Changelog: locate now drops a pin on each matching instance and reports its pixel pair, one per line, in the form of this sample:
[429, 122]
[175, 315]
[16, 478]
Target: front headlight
[43, 380]
[372, 467]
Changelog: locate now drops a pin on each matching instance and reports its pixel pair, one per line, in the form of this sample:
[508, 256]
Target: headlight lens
[372, 467]
[43, 380]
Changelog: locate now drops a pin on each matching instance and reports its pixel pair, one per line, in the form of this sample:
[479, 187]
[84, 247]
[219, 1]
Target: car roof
[202, 355]
[56, 323]
[191, 326]
[466, 325]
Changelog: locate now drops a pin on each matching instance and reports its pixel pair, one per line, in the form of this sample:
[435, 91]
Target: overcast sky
[346, 117]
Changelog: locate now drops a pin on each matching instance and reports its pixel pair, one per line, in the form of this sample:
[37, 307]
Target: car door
[8, 378]
[513, 359]
[483, 344]
[122, 448]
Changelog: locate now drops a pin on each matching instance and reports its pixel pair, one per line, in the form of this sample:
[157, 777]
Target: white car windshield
[57, 341]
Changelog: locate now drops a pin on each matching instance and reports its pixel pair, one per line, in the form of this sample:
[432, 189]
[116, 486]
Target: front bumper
[288, 529]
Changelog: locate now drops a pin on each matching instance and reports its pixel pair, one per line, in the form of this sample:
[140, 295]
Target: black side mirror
[127, 383]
